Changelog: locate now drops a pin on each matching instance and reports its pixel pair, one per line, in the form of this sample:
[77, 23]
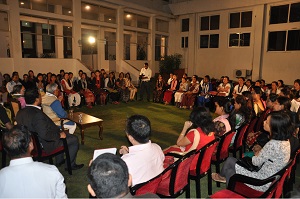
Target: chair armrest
[249, 180]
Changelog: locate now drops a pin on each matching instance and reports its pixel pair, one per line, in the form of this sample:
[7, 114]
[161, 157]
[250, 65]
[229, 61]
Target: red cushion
[150, 187]
[44, 154]
[244, 189]
[226, 194]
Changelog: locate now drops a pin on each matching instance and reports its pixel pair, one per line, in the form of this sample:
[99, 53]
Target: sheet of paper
[98, 152]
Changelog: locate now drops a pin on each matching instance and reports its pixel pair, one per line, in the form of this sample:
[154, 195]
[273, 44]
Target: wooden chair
[3, 156]
[40, 155]
[237, 187]
[15, 106]
[146, 187]
[238, 141]
[175, 177]
[222, 152]
[203, 167]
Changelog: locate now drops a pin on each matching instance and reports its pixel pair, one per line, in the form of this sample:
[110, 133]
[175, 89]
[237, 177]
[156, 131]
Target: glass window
[234, 39]
[110, 46]
[162, 26]
[214, 22]
[214, 41]
[67, 32]
[295, 12]
[28, 38]
[160, 47]
[48, 40]
[245, 39]
[279, 14]
[142, 22]
[108, 15]
[204, 23]
[89, 11]
[277, 41]
[246, 20]
[127, 38]
[204, 41]
[234, 20]
[293, 42]
[184, 42]
[185, 23]
[142, 46]
[130, 19]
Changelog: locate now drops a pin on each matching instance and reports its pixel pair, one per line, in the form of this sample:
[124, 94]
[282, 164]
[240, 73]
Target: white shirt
[295, 105]
[239, 90]
[147, 73]
[225, 86]
[144, 161]
[10, 85]
[24, 178]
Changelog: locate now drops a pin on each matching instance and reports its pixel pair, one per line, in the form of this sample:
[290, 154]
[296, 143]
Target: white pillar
[101, 49]
[76, 30]
[39, 39]
[15, 31]
[151, 47]
[120, 38]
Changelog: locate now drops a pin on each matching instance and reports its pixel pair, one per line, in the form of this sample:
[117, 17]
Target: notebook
[98, 152]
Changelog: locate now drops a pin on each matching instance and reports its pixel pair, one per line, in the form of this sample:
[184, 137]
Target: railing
[131, 65]
[88, 67]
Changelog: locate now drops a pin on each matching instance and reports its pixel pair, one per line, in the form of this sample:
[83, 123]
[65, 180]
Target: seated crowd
[234, 105]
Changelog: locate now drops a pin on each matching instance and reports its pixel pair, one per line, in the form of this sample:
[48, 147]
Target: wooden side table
[86, 121]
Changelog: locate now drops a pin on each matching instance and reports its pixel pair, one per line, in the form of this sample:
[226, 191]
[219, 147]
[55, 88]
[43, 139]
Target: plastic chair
[146, 187]
[238, 141]
[175, 177]
[203, 167]
[222, 152]
[40, 155]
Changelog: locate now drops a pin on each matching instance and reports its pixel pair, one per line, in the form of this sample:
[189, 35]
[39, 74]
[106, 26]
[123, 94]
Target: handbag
[246, 162]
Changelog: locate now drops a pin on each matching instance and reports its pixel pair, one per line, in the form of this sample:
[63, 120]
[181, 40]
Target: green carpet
[166, 122]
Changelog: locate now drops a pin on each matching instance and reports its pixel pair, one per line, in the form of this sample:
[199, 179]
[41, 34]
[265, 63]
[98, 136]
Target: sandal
[216, 177]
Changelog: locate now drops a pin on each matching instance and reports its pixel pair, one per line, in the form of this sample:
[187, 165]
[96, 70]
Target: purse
[246, 162]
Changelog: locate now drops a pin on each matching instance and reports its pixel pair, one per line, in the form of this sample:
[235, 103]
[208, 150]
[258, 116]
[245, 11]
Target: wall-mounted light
[109, 19]
[128, 16]
[22, 3]
[69, 11]
[87, 7]
[91, 40]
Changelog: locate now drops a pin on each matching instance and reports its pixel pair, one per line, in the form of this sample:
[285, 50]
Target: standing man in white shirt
[24, 178]
[145, 74]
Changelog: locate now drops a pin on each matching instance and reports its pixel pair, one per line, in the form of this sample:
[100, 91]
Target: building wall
[224, 60]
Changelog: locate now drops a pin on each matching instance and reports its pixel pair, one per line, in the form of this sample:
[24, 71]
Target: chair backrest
[238, 141]
[37, 151]
[223, 146]
[251, 126]
[146, 187]
[15, 107]
[175, 176]
[262, 118]
[283, 174]
[203, 157]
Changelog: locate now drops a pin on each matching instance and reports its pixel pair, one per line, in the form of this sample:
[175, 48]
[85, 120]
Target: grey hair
[50, 88]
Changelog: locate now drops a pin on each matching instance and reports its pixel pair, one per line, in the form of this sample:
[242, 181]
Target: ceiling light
[128, 16]
[87, 7]
[69, 11]
[22, 3]
[109, 19]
